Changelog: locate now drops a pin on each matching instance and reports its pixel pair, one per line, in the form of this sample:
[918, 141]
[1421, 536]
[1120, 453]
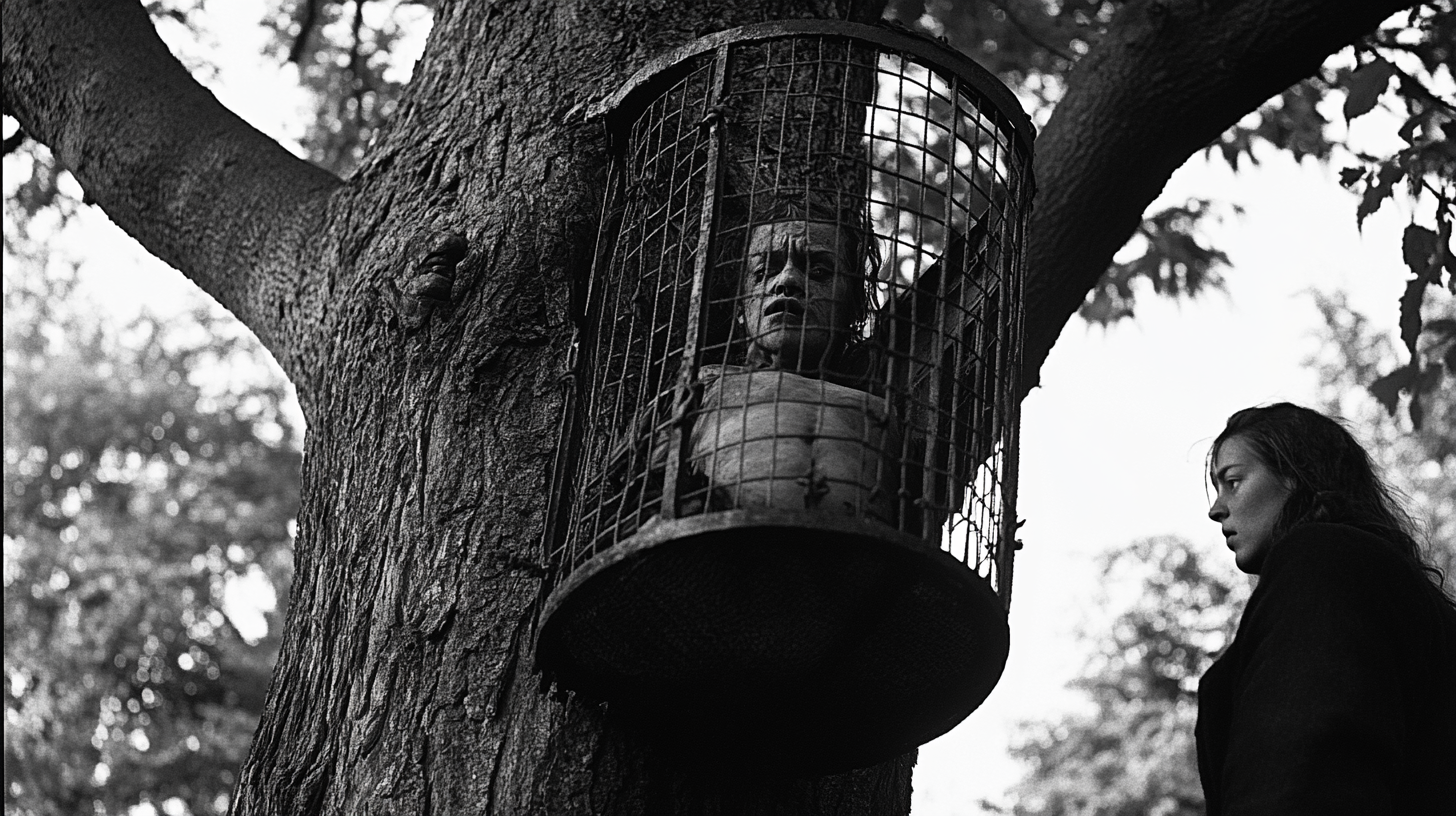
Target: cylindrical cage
[784, 511]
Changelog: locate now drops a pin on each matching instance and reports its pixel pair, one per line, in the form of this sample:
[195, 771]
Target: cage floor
[778, 638]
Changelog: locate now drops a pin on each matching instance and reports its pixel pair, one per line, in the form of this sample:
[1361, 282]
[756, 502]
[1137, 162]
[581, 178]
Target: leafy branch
[1173, 260]
[1427, 166]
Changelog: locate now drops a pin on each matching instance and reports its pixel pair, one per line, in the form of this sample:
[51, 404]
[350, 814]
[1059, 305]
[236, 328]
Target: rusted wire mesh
[808, 299]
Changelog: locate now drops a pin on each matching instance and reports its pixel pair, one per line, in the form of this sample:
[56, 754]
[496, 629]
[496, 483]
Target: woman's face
[796, 294]
[1250, 496]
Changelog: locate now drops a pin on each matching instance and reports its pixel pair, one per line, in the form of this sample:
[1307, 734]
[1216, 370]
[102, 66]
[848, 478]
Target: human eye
[821, 267]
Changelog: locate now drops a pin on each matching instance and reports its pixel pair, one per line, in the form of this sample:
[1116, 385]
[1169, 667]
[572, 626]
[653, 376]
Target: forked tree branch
[1167, 78]
[195, 184]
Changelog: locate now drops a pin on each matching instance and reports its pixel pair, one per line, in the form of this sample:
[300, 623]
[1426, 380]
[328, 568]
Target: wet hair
[1332, 477]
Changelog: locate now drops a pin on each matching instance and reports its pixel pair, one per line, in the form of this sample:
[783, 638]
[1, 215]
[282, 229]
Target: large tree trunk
[422, 309]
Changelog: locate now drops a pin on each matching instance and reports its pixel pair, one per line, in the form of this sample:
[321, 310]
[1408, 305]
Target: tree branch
[195, 184]
[1411, 86]
[307, 20]
[1035, 36]
[1167, 78]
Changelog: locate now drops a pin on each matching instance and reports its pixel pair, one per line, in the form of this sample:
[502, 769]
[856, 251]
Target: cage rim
[918, 564]
[943, 563]
[648, 80]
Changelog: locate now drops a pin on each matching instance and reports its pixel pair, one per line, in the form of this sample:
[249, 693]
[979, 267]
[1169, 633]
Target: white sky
[1113, 440]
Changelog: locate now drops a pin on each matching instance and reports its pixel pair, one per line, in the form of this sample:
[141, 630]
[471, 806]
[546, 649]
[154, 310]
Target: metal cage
[784, 513]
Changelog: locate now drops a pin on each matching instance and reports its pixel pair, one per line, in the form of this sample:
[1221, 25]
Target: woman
[1338, 694]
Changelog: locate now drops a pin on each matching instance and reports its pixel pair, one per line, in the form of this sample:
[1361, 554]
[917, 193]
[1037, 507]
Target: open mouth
[788, 307]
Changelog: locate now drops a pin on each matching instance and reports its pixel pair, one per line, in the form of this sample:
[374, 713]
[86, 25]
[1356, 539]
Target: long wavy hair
[1333, 478]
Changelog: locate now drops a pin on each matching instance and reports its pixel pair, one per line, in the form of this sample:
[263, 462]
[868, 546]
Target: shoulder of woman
[1334, 555]
[1324, 542]
[1329, 583]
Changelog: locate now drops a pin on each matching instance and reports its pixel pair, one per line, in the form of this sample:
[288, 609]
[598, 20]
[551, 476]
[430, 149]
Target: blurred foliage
[1171, 258]
[1029, 44]
[1396, 65]
[1419, 461]
[1290, 122]
[343, 52]
[1133, 753]
[146, 492]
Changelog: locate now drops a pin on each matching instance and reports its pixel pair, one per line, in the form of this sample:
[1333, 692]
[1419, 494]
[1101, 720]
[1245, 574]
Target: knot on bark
[425, 276]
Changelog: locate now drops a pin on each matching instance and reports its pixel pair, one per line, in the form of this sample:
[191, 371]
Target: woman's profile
[1338, 692]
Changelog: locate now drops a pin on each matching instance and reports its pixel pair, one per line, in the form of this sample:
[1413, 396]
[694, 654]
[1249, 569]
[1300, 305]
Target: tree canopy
[145, 488]
[343, 54]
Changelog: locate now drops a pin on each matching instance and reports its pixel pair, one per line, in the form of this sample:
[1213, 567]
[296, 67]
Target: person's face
[1250, 496]
[797, 292]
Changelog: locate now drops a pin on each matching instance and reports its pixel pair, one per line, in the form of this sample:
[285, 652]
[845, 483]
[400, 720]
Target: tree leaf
[1441, 332]
[1419, 247]
[1427, 382]
[1407, 132]
[1410, 314]
[1350, 175]
[1378, 190]
[1390, 174]
[1387, 389]
[1365, 85]
[1375, 195]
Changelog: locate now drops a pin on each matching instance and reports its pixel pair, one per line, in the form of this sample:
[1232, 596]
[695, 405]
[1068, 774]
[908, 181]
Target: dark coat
[1338, 694]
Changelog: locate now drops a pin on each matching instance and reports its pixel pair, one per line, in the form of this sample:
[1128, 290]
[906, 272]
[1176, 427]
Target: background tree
[403, 682]
[144, 488]
[1132, 751]
[1419, 460]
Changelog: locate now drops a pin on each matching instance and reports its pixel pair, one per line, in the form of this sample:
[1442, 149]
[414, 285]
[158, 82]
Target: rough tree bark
[421, 308]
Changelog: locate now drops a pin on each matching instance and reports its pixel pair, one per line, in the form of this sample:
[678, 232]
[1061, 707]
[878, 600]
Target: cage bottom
[778, 639]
